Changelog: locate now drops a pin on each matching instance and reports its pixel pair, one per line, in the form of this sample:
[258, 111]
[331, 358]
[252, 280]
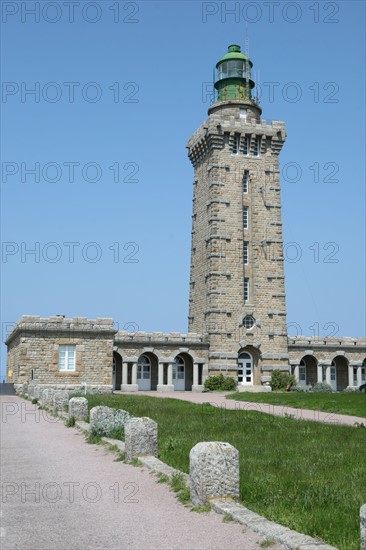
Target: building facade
[237, 304]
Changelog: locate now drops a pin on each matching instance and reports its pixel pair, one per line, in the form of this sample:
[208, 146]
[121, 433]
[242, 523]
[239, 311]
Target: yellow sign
[10, 373]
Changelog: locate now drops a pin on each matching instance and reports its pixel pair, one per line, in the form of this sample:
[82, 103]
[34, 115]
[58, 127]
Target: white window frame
[248, 319]
[246, 252]
[68, 363]
[245, 217]
[246, 289]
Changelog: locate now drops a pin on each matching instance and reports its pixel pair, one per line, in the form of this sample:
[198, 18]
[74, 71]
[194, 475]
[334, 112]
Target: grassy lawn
[305, 475]
[353, 403]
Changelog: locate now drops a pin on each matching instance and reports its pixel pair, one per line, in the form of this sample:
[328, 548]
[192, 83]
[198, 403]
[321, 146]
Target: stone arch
[183, 359]
[147, 371]
[308, 368]
[339, 372]
[117, 371]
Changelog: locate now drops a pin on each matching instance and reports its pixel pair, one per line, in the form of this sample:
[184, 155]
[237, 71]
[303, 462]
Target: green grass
[353, 403]
[305, 475]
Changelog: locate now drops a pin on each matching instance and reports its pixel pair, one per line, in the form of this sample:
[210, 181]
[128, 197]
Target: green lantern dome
[233, 75]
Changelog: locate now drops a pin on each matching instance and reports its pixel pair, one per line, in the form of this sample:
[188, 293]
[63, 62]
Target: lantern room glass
[234, 68]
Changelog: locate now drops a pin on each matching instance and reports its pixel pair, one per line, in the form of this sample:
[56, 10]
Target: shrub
[220, 383]
[280, 380]
[297, 388]
[70, 422]
[34, 401]
[322, 387]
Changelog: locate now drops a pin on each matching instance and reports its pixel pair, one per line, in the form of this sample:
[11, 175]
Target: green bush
[34, 401]
[281, 380]
[322, 387]
[220, 383]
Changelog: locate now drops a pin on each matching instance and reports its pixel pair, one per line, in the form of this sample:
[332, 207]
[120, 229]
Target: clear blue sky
[161, 55]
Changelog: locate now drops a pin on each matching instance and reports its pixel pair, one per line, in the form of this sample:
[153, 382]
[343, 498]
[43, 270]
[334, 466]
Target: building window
[66, 358]
[245, 181]
[256, 146]
[236, 144]
[302, 373]
[243, 114]
[245, 217]
[246, 253]
[246, 289]
[32, 374]
[248, 322]
[363, 375]
[245, 145]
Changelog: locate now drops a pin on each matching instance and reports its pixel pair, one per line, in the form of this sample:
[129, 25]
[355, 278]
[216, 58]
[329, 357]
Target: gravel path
[217, 399]
[83, 499]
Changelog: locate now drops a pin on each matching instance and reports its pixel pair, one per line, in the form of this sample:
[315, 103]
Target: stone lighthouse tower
[237, 290]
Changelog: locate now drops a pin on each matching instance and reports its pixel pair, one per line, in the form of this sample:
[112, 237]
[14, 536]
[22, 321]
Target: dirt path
[217, 399]
[60, 493]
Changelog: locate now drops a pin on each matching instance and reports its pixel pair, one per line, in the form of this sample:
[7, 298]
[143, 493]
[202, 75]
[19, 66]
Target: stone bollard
[363, 526]
[78, 408]
[60, 400]
[213, 471]
[141, 437]
[101, 420]
[47, 397]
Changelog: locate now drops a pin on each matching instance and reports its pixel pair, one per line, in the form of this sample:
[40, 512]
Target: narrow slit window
[246, 253]
[245, 217]
[246, 289]
[245, 181]
[236, 144]
[245, 145]
[256, 146]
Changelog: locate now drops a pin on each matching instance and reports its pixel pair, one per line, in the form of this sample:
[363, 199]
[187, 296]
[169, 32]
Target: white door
[245, 369]
[333, 377]
[179, 382]
[302, 374]
[144, 373]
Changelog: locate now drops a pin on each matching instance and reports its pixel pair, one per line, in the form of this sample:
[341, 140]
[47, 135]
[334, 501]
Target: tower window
[243, 113]
[246, 289]
[245, 217]
[236, 144]
[256, 146]
[246, 253]
[245, 145]
[248, 321]
[245, 181]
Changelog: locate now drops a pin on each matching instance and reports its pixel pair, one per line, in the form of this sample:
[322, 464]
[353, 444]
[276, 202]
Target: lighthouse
[237, 283]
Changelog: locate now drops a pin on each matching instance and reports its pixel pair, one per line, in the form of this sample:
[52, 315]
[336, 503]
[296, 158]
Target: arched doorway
[147, 372]
[179, 374]
[245, 369]
[116, 371]
[308, 374]
[182, 374]
[339, 373]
